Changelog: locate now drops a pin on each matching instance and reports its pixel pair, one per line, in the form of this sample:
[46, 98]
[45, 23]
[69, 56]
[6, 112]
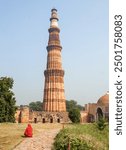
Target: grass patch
[11, 134]
[82, 137]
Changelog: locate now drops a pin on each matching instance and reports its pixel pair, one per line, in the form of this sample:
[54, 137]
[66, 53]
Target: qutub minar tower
[54, 103]
[54, 97]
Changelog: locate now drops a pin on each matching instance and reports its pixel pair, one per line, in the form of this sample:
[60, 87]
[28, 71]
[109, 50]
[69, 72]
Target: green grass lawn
[82, 137]
[11, 134]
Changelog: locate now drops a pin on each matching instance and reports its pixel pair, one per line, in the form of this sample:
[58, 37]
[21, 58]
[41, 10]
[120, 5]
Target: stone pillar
[54, 97]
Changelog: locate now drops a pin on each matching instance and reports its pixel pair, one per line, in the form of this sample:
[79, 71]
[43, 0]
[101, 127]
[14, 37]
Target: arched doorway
[35, 120]
[43, 120]
[91, 118]
[99, 113]
[58, 120]
[51, 120]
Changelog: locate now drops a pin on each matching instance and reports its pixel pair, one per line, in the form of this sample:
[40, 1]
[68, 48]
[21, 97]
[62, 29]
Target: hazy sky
[84, 37]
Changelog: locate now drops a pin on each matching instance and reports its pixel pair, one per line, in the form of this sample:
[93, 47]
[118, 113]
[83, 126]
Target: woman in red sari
[28, 131]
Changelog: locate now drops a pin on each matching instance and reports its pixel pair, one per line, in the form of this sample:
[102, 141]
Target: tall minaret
[54, 97]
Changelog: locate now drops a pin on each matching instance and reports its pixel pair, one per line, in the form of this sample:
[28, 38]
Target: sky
[84, 37]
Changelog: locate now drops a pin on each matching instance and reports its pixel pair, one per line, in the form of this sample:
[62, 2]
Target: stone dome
[104, 99]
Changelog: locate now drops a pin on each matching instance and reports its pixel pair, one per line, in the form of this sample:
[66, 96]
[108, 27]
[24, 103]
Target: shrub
[63, 139]
[82, 137]
[74, 115]
[101, 123]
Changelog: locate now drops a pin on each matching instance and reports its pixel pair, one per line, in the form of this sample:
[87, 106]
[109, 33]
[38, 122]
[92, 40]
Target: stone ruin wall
[24, 115]
[50, 117]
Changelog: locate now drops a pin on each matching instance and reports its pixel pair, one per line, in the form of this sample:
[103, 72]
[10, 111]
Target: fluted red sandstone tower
[54, 97]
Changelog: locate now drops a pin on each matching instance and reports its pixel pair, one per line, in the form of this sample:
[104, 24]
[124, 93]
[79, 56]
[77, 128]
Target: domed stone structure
[94, 111]
[104, 100]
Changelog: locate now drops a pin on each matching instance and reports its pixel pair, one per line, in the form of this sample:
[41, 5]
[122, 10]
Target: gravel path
[43, 141]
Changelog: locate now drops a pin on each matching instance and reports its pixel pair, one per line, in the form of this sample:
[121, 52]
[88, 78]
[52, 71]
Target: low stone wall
[25, 115]
[49, 117]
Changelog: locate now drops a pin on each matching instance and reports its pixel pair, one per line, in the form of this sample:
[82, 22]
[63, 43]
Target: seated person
[28, 131]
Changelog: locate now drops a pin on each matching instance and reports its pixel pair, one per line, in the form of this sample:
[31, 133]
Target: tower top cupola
[54, 18]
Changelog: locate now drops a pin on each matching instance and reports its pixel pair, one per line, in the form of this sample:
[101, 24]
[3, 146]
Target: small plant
[101, 123]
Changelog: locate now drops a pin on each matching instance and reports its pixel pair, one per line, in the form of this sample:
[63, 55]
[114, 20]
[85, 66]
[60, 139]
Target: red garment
[28, 131]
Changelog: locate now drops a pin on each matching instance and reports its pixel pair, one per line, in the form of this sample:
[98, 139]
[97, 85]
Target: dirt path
[43, 141]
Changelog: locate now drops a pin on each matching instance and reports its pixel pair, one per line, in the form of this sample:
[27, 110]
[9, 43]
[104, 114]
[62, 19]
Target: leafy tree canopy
[74, 110]
[7, 100]
[74, 115]
[71, 104]
[36, 106]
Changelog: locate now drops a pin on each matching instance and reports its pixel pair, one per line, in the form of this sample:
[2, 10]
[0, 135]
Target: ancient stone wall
[22, 114]
[84, 116]
[50, 117]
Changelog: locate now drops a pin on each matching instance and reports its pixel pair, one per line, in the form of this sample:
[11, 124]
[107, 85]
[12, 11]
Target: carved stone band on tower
[54, 97]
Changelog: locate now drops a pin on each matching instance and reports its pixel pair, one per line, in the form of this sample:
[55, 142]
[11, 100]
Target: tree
[74, 115]
[74, 110]
[70, 104]
[73, 104]
[36, 106]
[7, 100]
[81, 108]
